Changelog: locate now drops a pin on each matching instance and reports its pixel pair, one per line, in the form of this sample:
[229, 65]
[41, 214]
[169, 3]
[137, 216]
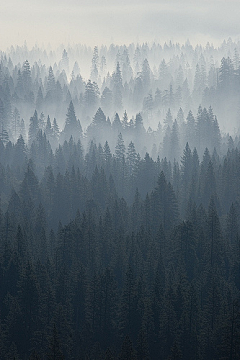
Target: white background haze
[95, 22]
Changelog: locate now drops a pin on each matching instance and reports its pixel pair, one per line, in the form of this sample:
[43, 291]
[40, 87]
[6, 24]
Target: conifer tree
[33, 127]
[117, 88]
[72, 125]
[120, 148]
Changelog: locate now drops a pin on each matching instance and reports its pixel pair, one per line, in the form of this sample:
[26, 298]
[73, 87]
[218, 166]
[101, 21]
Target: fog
[96, 22]
[119, 179]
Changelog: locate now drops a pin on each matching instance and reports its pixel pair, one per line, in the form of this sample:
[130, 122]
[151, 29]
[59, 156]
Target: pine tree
[50, 95]
[33, 127]
[95, 64]
[125, 120]
[7, 100]
[41, 121]
[55, 132]
[117, 88]
[120, 148]
[26, 78]
[48, 128]
[145, 75]
[4, 137]
[19, 86]
[65, 61]
[91, 97]
[226, 74]
[117, 125]
[72, 126]
[139, 124]
[15, 123]
[131, 159]
[190, 130]
[186, 175]
[2, 118]
[163, 205]
[168, 121]
[98, 125]
[174, 142]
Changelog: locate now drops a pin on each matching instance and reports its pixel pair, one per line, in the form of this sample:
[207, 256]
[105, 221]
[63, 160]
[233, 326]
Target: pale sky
[96, 22]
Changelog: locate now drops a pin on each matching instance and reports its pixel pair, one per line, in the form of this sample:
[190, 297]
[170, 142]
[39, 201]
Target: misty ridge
[135, 78]
[135, 102]
[120, 202]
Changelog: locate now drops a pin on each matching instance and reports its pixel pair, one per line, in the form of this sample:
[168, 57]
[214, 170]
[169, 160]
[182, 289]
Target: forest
[120, 202]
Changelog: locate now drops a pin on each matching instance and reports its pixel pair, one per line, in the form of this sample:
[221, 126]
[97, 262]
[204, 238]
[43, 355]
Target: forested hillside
[120, 202]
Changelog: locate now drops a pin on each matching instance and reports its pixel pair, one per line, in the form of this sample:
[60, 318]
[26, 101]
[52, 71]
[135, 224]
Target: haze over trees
[119, 213]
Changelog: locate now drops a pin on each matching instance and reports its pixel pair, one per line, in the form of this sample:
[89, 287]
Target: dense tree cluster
[138, 78]
[118, 241]
[113, 255]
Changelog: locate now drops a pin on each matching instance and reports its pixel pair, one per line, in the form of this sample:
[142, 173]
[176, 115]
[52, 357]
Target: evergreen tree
[117, 125]
[117, 88]
[33, 127]
[15, 123]
[72, 125]
[168, 121]
[95, 63]
[120, 148]
[50, 86]
[174, 142]
[131, 159]
[146, 75]
[26, 79]
[90, 97]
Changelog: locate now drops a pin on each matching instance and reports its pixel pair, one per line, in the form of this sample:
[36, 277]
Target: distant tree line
[139, 78]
